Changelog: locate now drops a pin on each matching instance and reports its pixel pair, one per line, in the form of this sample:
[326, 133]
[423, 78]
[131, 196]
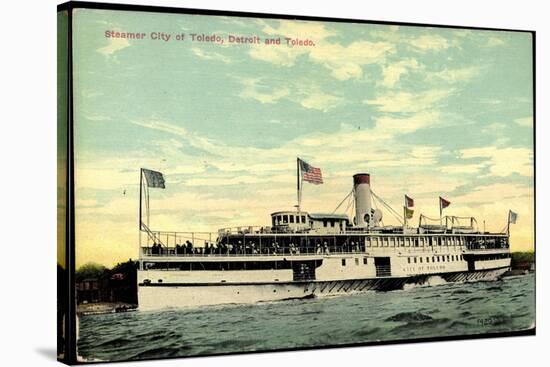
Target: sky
[428, 112]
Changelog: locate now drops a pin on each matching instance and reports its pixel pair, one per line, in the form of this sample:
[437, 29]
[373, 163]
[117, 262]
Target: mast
[508, 224]
[140, 226]
[140, 194]
[440, 212]
[298, 185]
[405, 214]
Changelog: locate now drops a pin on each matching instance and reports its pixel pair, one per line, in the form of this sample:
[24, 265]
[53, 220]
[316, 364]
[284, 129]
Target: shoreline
[100, 308]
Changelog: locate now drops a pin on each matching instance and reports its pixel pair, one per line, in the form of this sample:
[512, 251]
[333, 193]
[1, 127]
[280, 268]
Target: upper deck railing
[243, 251]
[283, 229]
[222, 244]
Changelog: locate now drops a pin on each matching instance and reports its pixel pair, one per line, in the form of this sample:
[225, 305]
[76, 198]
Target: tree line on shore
[120, 280]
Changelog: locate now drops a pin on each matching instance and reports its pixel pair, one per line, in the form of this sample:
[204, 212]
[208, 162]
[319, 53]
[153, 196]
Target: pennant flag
[408, 212]
[513, 217]
[409, 202]
[443, 203]
[310, 174]
[154, 178]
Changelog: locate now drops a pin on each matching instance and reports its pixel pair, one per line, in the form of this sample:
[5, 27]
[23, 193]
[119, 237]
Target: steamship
[303, 255]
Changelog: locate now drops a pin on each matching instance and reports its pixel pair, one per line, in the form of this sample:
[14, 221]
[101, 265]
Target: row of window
[365, 262]
[441, 258]
[288, 218]
[222, 265]
[414, 241]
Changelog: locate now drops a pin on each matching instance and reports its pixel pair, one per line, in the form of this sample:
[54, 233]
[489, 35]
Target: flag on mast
[408, 212]
[513, 217]
[310, 174]
[443, 203]
[153, 178]
[409, 202]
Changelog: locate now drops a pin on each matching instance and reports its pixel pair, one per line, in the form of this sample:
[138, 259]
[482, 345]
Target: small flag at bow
[311, 174]
[154, 178]
[409, 202]
[408, 213]
[443, 203]
[513, 217]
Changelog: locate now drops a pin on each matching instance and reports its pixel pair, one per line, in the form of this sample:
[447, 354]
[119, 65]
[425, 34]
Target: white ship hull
[188, 289]
[166, 295]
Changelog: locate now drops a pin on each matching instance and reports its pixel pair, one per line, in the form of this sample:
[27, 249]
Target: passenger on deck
[293, 250]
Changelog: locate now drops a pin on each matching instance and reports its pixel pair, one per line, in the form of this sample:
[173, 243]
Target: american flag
[311, 174]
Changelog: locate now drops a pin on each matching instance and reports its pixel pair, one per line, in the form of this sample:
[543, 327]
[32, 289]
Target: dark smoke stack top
[361, 178]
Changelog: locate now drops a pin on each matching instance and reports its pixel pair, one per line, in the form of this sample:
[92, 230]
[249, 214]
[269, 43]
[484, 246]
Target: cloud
[493, 193]
[98, 117]
[393, 72]
[101, 179]
[408, 102]
[320, 101]
[114, 45]
[493, 41]
[200, 143]
[307, 95]
[297, 29]
[525, 121]
[405, 125]
[454, 75]
[225, 165]
[251, 91]
[503, 161]
[432, 42]
[206, 55]
[462, 168]
[343, 62]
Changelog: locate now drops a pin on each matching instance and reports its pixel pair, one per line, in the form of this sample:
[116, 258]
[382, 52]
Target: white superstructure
[303, 254]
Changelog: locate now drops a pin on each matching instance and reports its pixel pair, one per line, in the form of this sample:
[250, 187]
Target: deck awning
[321, 216]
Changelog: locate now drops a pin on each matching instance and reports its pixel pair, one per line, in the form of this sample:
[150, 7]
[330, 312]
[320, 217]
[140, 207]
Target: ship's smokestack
[361, 187]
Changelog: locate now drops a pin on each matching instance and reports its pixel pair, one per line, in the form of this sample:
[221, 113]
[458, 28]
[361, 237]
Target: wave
[161, 352]
[409, 317]
[457, 323]
[430, 281]
[115, 343]
[473, 299]
[461, 291]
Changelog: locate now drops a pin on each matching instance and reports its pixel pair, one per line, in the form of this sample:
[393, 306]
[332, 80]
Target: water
[416, 312]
